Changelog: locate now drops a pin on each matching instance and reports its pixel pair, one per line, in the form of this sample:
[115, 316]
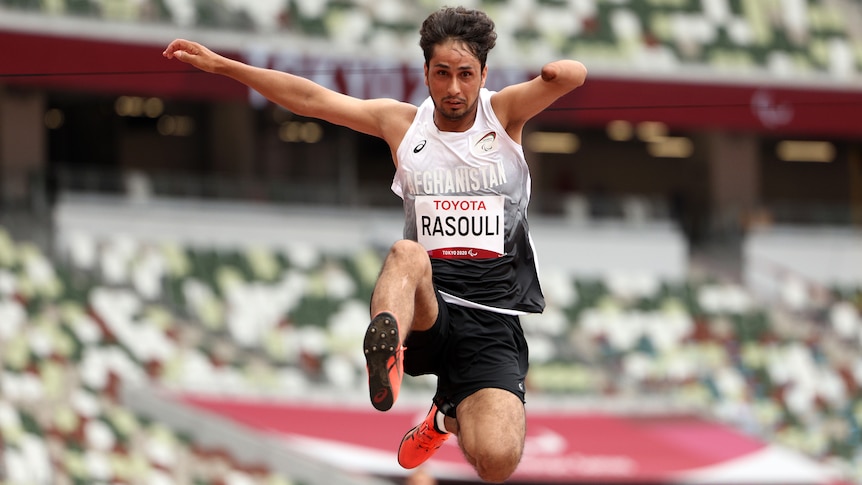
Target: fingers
[192, 53]
[178, 49]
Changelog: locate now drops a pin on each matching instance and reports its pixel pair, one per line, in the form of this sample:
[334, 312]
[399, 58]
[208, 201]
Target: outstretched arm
[299, 95]
[518, 103]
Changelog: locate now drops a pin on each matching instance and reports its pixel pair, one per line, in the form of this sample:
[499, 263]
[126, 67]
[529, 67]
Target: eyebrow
[465, 67]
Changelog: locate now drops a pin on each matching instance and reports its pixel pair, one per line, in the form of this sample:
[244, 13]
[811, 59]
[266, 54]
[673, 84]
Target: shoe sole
[381, 344]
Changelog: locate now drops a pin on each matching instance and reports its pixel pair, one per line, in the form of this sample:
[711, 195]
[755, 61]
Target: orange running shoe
[384, 359]
[421, 442]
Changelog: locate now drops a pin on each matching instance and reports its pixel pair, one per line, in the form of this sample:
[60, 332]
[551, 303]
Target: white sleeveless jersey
[465, 200]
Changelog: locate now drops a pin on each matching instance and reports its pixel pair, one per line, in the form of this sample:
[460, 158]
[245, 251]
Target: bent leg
[404, 288]
[491, 427]
[404, 299]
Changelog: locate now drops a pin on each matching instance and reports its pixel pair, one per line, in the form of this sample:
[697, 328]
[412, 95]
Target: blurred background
[185, 268]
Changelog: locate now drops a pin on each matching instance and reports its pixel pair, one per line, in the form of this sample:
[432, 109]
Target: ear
[484, 75]
[425, 69]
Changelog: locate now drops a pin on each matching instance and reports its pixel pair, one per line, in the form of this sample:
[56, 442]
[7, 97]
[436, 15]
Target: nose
[454, 87]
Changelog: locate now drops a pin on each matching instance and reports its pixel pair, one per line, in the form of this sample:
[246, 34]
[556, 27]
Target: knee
[496, 466]
[491, 433]
[408, 252]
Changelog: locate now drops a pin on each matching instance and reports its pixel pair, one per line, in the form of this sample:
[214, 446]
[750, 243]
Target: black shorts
[468, 350]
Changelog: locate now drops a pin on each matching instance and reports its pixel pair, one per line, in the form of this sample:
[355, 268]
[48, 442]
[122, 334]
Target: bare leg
[491, 427]
[404, 288]
[403, 296]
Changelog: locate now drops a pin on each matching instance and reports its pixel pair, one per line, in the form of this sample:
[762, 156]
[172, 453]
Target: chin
[455, 115]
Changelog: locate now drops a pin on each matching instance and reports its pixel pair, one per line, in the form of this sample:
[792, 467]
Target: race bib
[457, 227]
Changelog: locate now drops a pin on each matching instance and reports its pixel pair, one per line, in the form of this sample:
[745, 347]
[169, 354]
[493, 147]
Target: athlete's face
[454, 77]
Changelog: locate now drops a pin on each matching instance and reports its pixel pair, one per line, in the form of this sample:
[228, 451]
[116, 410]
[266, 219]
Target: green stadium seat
[82, 7]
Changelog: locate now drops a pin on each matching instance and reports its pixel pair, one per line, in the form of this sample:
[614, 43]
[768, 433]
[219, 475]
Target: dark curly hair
[473, 27]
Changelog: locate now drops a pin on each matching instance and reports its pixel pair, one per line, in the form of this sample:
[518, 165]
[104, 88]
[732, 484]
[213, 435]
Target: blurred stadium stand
[164, 236]
[164, 310]
[787, 38]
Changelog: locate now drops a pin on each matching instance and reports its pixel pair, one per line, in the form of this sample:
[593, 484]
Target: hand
[192, 53]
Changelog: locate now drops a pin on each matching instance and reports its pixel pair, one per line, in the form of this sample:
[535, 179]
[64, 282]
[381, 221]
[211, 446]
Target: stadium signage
[362, 78]
[123, 68]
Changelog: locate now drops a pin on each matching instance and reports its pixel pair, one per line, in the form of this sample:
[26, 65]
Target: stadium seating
[781, 38]
[258, 321]
[66, 342]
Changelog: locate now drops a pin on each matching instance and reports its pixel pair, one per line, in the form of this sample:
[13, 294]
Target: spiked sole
[381, 347]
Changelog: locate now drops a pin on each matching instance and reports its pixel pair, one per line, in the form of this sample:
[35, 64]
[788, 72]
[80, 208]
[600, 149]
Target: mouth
[454, 104]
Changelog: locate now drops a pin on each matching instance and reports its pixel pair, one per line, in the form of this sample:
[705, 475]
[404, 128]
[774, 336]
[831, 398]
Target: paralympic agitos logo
[487, 142]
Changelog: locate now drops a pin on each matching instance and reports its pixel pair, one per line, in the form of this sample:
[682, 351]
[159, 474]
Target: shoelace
[425, 438]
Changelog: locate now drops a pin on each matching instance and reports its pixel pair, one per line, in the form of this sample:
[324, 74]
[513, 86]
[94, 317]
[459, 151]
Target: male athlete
[449, 295]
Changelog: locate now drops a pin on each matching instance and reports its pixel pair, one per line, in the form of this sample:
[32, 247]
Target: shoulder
[394, 118]
[387, 116]
[487, 96]
[388, 107]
